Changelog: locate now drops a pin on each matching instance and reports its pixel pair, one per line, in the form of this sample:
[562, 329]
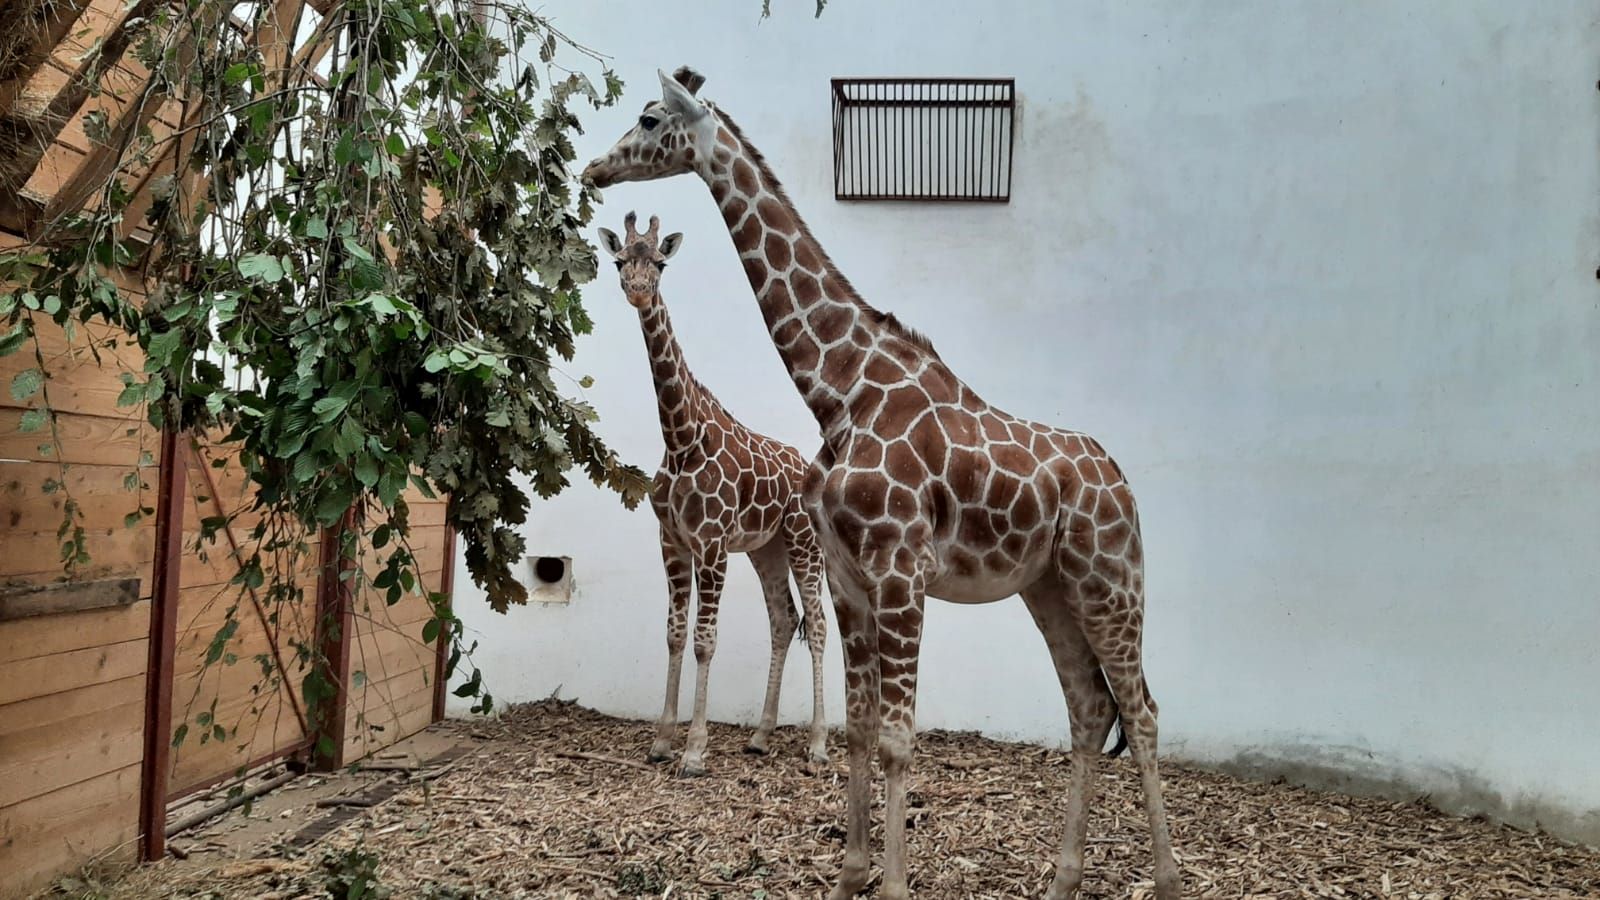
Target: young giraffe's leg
[897, 605]
[807, 564]
[708, 576]
[773, 571]
[680, 581]
[1091, 711]
[858, 635]
[1111, 613]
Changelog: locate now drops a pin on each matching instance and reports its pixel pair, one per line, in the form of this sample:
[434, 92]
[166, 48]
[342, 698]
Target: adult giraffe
[721, 489]
[921, 488]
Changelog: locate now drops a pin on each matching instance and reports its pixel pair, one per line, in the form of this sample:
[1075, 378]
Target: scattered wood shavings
[556, 802]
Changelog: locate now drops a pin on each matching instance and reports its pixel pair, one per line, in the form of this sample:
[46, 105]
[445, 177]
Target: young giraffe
[721, 489]
[921, 488]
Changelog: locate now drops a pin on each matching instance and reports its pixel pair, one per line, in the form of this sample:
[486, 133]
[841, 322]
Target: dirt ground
[554, 801]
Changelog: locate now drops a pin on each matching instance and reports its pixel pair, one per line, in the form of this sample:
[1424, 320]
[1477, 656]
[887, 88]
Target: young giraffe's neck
[678, 395]
[822, 329]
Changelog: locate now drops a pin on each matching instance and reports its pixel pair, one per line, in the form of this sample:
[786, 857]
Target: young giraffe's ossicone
[721, 489]
[922, 488]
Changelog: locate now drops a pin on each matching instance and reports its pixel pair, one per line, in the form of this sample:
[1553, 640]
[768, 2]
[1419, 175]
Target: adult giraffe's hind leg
[680, 582]
[807, 564]
[1091, 711]
[1111, 613]
[772, 568]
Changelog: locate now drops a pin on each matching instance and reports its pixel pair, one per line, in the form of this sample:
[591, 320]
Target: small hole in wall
[549, 569]
[551, 580]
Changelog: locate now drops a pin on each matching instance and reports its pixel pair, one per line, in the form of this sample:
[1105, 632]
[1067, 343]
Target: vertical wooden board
[47, 635]
[57, 832]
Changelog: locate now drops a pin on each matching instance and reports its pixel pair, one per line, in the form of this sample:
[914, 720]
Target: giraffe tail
[1122, 736]
[1122, 729]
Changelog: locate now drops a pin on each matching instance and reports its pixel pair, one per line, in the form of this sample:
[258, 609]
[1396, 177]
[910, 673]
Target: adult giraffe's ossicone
[721, 489]
[921, 488]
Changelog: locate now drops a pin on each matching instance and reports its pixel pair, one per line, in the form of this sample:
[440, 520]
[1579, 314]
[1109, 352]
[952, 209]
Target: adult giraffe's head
[640, 259]
[674, 135]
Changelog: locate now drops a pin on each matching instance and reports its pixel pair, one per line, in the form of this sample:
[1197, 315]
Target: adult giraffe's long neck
[821, 328]
[677, 393]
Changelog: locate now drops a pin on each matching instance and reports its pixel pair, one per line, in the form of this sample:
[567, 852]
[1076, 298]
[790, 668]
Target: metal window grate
[923, 138]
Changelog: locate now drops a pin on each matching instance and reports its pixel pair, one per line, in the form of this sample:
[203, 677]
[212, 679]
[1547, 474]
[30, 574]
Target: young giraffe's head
[674, 135]
[640, 259]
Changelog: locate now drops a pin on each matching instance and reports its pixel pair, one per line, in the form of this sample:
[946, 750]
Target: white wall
[1321, 275]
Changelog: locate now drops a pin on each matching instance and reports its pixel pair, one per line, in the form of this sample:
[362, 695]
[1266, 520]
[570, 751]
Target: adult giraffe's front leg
[897, 606]
[858, 635]
[680, 580]
[711, 570]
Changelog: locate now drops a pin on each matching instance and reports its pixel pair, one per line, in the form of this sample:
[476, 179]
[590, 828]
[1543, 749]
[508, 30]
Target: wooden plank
[85, 440]
[77, 383]
[34, 557]
[59, 832]
[29, 638]
[78, 596]
[392, 651]
[35, 761]
[41, 712]
[275, 731]
[216, 564]
[104, 501]
[380, 726]
[41, 676]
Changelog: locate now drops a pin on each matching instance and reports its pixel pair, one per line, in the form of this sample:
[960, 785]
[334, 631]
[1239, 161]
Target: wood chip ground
[556, 802]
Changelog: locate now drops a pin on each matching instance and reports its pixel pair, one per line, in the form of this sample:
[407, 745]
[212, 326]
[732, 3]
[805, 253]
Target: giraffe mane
[876, 316]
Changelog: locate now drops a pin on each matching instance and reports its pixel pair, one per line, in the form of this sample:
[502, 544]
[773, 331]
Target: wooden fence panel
[72, 684]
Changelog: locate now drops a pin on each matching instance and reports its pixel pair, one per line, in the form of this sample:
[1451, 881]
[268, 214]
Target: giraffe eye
[649, 122]
[619, 265]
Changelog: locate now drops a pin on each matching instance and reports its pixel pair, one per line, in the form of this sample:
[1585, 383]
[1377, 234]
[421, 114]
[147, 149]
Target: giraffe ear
[677, 98]
[610, 241]
[670, 244]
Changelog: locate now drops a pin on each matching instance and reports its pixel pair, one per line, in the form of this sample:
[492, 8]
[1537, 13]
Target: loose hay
[556, 803]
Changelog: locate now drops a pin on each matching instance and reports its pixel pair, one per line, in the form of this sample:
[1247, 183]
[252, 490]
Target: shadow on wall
[1449, 789]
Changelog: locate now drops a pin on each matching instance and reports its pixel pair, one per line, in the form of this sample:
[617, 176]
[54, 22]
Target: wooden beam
[163, 641]
[33, 130]
[65, 598]
[34, 33]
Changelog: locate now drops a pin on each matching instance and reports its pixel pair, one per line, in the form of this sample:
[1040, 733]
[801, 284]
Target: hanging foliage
[365, 273]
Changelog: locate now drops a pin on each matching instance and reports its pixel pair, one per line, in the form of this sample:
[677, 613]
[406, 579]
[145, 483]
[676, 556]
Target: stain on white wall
[1321, 276]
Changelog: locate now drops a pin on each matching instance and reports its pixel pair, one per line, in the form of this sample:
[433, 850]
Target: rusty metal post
[165, 579]
[441, 650]
[335, 621]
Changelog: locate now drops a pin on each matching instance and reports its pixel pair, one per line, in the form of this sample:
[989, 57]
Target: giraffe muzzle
[598, 175]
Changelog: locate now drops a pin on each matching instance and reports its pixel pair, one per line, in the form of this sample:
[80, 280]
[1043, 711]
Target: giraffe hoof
[659, 752]
[755, 749]
[818, 757]
[693, 771]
